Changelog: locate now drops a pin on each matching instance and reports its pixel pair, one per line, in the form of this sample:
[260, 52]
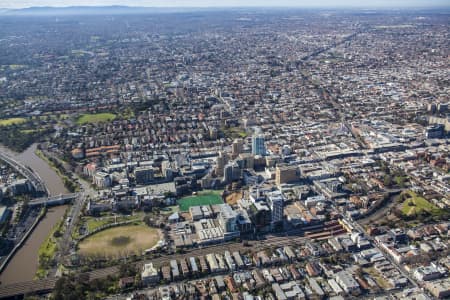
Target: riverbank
[22, 241]
[25, 262]
[59, 169]
[29, 158]
[48, 250]
[26, 259]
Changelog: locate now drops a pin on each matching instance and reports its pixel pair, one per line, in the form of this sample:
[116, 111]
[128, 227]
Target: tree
[127, 270]
[400, 181]
[66, 288]
[148, 220]
[387, 180]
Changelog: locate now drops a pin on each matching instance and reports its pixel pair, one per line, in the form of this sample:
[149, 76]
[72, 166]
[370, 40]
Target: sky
[227, 3]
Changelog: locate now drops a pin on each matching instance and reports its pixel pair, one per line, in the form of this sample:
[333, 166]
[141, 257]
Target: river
[23, 265]
[54, 183]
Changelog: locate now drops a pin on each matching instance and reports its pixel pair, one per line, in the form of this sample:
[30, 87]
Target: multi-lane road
[34, 178]
[398, 266]
[46, 285]
[290, 238]
[65, 243]
[40, 186]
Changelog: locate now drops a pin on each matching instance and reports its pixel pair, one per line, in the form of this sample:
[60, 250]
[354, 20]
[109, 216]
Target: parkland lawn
[119, 241]
[12, 121]
[95, 118]
[416, 204]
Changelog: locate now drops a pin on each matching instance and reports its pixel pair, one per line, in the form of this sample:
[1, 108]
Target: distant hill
[92, 10]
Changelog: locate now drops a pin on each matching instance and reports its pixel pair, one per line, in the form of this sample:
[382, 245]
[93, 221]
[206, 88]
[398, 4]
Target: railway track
[47, 285]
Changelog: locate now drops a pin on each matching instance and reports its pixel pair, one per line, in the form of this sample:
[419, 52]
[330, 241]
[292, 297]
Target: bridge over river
[54, 200]
[45, 181]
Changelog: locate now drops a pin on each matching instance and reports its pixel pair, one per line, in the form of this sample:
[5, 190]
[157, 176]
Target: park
[119, 241]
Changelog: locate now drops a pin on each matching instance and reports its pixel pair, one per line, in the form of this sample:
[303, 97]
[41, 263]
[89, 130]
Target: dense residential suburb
[243, 154]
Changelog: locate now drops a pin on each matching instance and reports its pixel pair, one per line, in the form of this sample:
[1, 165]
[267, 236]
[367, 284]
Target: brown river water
[39, 166]
[24, 264]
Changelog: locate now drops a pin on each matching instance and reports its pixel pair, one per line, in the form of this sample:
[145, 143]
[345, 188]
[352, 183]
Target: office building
[237, 148]
[227, 218]
[258, 145]
[232, 172]
[434, 131]
[144, 175]
[221, 161]
[286, 174]
[276, 204]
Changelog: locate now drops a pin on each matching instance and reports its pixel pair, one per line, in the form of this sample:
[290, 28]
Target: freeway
[35, 180]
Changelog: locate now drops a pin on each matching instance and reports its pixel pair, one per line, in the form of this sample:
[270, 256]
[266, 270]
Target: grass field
[29, 131]
[94, 223]
[11, 121]
[119, 241]
[204, 198]
[47, 251]
[416, 204]
[378, 278]
[235, 132]
[95, 118]
[16, 67]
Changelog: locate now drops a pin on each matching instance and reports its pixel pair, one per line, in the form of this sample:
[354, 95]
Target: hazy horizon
[14, 4]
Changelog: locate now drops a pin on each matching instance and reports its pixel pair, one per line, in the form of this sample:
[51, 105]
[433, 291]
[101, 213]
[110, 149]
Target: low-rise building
[149, 274]
[427, 273]
[439, 288]
[347, 282]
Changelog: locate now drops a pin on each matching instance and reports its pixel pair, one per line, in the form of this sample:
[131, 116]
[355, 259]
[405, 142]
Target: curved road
[35, 180]
[29, 159]
[25, 259]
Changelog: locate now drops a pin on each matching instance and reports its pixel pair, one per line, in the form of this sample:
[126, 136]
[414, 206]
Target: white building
[275, 200]
[427, 273]
[149, 274]
[347, 282]
[227, 218]
[102, 179]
